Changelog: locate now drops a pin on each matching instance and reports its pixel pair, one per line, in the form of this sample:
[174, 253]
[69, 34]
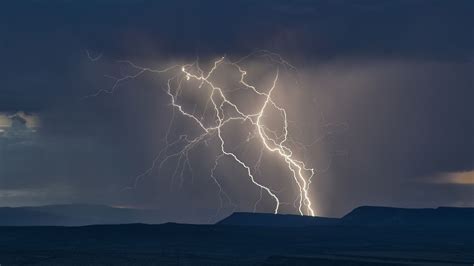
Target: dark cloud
[408, 122]
[43, 40]
[399, 74]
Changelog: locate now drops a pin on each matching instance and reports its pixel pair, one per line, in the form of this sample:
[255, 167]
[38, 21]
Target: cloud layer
[388, 85]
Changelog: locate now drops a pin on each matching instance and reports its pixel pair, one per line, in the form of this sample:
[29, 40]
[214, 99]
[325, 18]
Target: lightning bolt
[272, 141]
[93, 58]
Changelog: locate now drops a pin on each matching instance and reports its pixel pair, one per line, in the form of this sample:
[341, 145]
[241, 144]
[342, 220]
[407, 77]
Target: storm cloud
[388, 85]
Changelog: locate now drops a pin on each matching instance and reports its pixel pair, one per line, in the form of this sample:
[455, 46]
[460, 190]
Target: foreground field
[178, 244]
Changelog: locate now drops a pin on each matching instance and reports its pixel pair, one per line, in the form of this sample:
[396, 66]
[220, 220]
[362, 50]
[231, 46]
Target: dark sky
[388, 83]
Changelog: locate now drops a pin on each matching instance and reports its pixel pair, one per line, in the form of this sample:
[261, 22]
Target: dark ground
[177, 244]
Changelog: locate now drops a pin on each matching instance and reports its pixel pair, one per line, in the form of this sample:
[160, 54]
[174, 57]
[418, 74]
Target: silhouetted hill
[268, 219]
[365, 215]
[77, 214]
[442, 216]
[366, 236]
[24, 216]
[85, 214]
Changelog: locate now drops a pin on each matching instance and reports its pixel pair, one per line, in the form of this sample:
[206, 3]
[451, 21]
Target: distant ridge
[362, 216]
[76, 215]
[442, 216]
[88, 214]
[267, 219]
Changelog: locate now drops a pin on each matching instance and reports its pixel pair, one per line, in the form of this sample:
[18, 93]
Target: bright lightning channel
[271, 142]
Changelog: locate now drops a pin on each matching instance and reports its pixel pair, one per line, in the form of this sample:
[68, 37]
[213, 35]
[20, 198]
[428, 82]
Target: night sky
[386, 86]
